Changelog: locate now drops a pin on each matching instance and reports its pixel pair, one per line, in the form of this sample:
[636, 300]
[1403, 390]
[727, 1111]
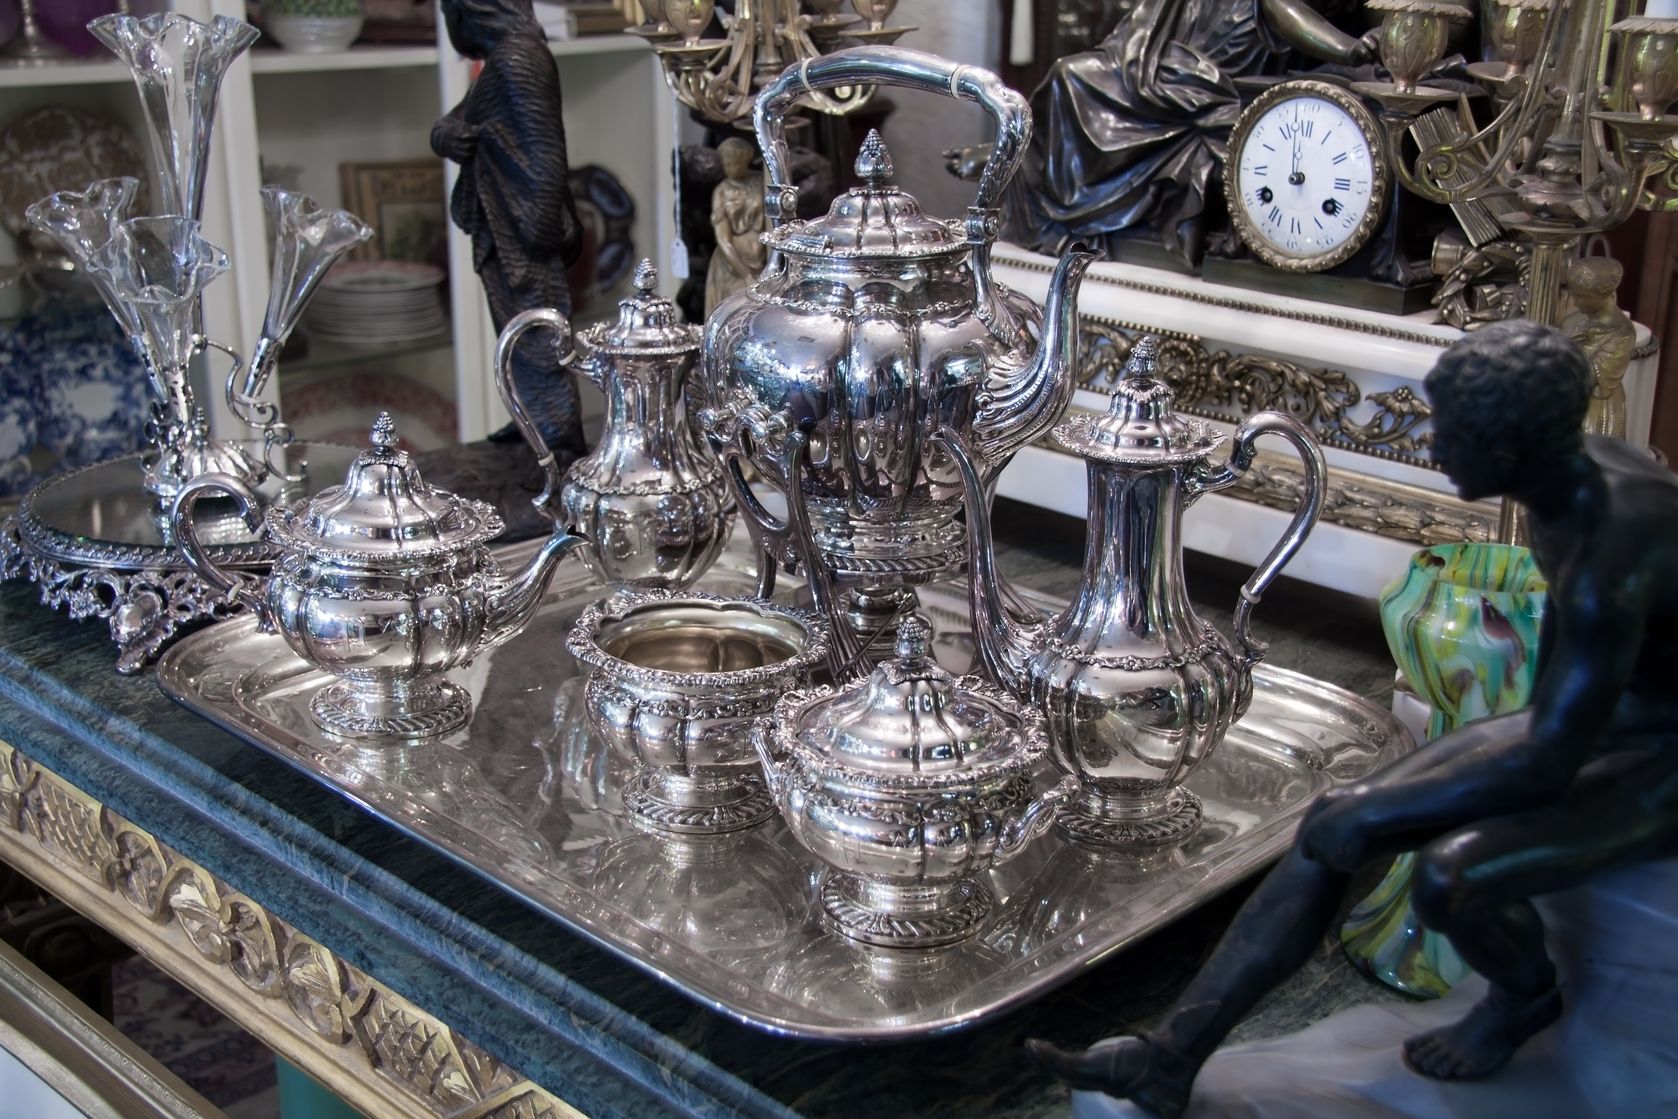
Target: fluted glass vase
[178, 64]
[82, 223]
[308, 240]
[157, 268]
[1462, 624]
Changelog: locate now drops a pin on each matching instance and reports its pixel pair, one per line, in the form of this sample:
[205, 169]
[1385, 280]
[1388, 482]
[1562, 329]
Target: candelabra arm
[1420, 176]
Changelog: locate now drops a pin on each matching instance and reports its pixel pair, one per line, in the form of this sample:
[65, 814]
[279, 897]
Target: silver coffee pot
[870, 328]
[651, 495]
[1137, 690]
[383, 582]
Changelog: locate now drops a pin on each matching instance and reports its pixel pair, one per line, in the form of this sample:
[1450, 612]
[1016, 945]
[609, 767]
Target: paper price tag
[679, 259]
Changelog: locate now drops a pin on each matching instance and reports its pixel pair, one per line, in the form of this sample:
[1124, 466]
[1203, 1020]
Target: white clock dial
[1308, 183]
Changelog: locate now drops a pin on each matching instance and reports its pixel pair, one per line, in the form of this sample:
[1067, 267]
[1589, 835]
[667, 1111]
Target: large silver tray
[527, 797]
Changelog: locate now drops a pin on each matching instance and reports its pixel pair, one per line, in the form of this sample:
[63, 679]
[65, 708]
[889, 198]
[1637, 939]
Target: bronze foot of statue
[1483, 1040]
[1141, 1069]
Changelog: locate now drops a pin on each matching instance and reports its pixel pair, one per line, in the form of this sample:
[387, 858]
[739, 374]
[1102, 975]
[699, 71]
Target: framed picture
[404, 203]
[597, 17]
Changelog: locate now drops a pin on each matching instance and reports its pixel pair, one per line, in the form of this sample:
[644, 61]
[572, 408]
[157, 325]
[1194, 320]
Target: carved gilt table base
[379, 1052]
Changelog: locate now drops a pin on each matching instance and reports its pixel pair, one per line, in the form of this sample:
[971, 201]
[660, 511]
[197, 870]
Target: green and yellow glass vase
[1462, 623]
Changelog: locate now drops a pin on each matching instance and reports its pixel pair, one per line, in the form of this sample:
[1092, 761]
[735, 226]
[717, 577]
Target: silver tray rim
[703, 979]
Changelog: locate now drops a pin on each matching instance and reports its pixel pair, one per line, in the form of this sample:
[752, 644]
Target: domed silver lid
[647, 323]
[874, 220]
[1141, 426]
[911, 719]
[384, 513]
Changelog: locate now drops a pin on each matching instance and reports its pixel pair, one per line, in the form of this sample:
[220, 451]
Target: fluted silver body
[869, 329]
[651, 496]
[382, 582]
[1136, 689]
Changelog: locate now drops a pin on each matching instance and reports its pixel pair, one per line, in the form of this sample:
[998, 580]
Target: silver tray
[527, 797]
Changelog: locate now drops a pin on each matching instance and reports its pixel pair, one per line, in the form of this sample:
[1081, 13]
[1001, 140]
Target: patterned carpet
[193, 1040]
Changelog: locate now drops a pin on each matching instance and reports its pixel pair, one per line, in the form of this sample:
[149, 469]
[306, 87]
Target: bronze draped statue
[1135, 132]
[1505, 809]
[512, 195]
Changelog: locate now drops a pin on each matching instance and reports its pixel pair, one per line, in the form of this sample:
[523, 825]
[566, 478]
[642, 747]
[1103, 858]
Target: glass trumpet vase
[178, 64]
[83, 222]
[1462, 623]
[308, 240]
[155, 270]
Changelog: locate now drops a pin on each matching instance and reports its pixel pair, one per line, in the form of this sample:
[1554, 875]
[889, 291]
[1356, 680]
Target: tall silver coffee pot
[1136, 688]
[870, 328]
[650, 497]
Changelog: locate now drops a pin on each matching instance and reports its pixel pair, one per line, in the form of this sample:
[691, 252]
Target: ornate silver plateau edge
[87, 540]
[529, 798]
[144, 607]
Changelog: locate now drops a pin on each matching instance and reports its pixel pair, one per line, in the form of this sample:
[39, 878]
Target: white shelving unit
[371, 104]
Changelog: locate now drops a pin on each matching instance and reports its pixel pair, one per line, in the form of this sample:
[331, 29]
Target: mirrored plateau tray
[528, 797]
[89, 540]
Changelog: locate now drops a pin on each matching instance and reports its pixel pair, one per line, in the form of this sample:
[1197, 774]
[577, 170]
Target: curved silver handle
[519, 325]
[1024, 830]
[1304, 518]
[186, 535]
[895, 66]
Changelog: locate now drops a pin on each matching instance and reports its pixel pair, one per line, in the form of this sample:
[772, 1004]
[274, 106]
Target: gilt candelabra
[1578, 136]
[1580, 90]
[720, 77]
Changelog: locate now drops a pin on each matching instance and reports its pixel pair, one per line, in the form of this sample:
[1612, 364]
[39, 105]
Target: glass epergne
[151, 271]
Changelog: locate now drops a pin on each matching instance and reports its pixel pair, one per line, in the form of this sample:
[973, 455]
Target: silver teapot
[910, 784]
[651, 495]
[1137, 690]
[383, 582]
[869, 329]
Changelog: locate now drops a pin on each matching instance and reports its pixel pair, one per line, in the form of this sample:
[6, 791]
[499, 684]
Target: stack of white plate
[378, 302]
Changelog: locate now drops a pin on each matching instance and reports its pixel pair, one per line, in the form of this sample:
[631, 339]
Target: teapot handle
[909, 69]
[517, 327]
[185, 532]
[1304, 518]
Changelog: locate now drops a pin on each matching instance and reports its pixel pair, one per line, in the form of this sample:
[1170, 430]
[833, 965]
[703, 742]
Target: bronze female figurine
[1133, 134]
[1505, 809]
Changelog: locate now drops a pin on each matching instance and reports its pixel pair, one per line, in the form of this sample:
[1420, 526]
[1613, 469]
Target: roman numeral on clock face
[1302, 177]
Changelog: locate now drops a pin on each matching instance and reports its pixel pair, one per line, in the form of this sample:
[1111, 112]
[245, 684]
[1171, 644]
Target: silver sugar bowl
[383, 582]
[1137, 689]
[910, 784]
[677, 678]
[651, 496]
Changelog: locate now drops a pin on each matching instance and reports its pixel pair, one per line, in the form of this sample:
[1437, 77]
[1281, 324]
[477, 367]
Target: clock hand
[1297, 176]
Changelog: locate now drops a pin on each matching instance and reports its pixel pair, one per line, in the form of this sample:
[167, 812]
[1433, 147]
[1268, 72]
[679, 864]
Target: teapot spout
[512, 604]
[1024, 402]
[1005, 640]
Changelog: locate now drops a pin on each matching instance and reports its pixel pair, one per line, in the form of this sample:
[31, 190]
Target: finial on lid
[646, 277]
[384, 431]
[873, 162]
[1143, 360]
[914, 638]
